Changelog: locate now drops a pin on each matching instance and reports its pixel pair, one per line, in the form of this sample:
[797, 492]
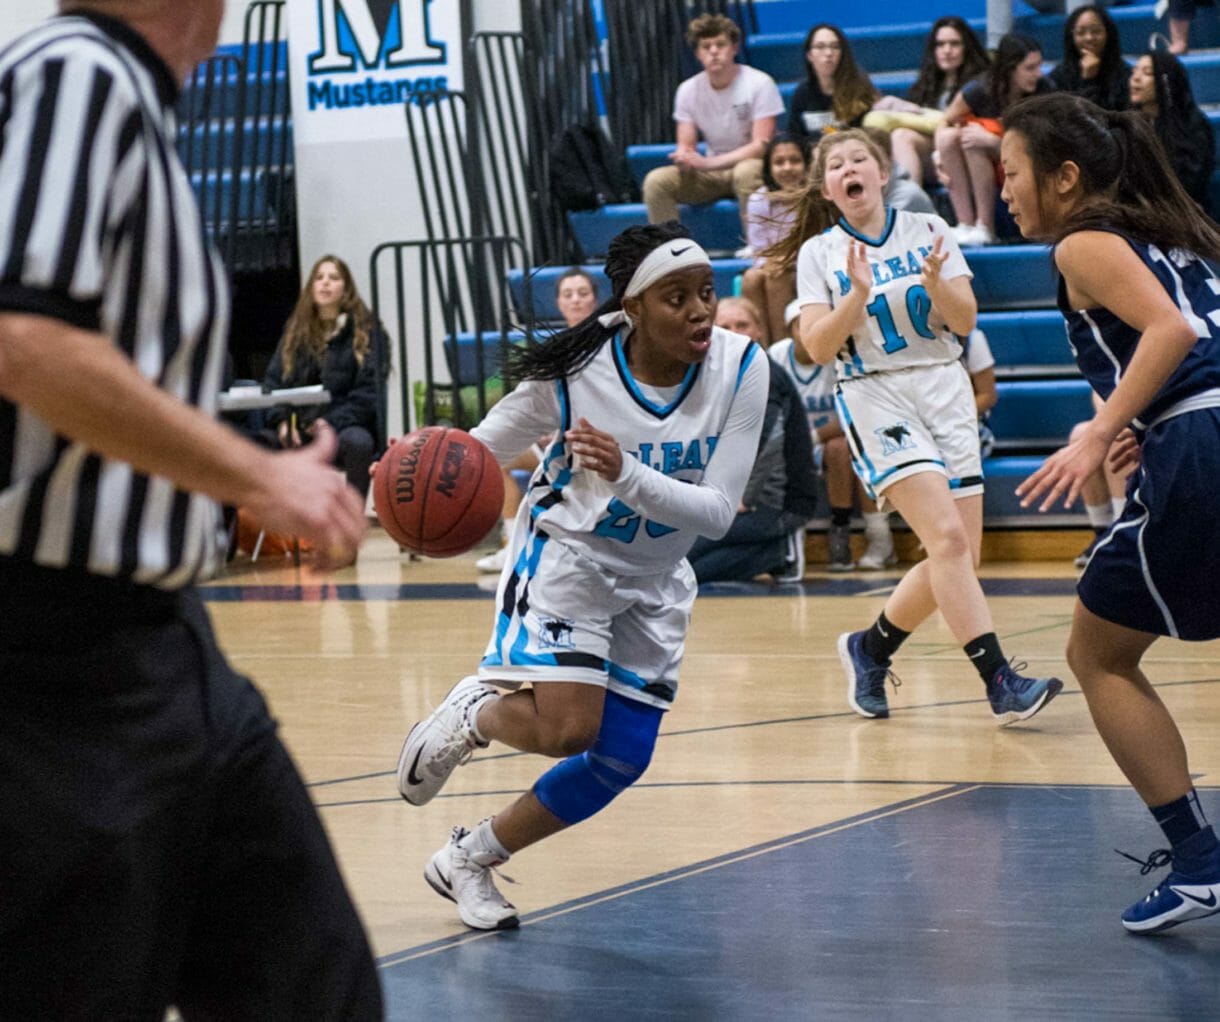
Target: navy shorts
[1158, 569]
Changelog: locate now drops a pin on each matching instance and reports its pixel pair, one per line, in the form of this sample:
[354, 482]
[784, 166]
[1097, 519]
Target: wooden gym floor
[783, 857]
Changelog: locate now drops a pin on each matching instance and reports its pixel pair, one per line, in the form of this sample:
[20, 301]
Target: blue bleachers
[1039, 413]
[1002, 475]
[716, 225]
[1029, 341]
[462, 353]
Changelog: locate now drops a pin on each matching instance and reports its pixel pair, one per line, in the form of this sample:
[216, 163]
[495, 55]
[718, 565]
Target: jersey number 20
[622, 523]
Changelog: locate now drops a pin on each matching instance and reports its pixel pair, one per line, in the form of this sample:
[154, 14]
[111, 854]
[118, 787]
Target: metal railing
[208, 116]
[266, 218]
[451, 300]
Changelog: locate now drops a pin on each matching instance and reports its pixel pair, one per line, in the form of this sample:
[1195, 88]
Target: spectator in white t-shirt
[733, 109]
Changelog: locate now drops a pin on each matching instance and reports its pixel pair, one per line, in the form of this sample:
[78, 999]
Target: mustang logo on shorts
[557, 634]
[895, 438]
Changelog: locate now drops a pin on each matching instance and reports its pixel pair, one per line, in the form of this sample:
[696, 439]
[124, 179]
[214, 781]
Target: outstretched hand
[1065, 472]
[933, 262]
[858, 270]
[597, 451]
[302, 494]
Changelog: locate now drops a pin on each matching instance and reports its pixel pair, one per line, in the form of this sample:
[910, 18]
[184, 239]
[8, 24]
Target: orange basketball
[438, 491]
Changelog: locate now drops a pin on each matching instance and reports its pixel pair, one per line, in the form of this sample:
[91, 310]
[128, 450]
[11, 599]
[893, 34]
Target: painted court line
[410, 954]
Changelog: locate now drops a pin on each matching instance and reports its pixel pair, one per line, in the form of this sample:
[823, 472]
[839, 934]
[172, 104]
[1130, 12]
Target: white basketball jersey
[814, 383]
[898, 327]
[704, 431]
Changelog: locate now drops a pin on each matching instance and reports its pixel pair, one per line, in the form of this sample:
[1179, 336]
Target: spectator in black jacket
[1160, 89]
[1092, 64]
[836, 93]
[331, 338]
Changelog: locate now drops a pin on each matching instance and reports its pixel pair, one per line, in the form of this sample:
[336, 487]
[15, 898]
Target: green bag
[451, 407]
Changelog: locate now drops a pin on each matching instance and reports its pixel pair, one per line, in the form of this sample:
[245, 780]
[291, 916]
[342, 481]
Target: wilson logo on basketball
[451, 469]
[404, 483]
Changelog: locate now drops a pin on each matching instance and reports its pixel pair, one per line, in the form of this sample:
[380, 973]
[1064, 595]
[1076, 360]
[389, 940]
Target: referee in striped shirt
[157, 846]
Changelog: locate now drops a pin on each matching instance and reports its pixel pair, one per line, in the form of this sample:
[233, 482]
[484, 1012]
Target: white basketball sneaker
[880, 552]
[441, 742]
[465, 878]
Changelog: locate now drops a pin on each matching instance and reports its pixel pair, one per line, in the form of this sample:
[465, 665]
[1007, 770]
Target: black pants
[354, 454]
[754, 545]
[157, 845]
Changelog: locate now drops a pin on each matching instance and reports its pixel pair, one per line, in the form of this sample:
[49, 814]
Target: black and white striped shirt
[99, 228]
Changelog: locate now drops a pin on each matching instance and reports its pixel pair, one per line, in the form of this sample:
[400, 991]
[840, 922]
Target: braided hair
[570, 350]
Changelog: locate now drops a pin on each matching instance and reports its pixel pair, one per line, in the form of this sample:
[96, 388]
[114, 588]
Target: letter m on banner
[370, 30]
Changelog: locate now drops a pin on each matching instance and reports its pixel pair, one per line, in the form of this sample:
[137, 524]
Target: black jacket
[355, 396]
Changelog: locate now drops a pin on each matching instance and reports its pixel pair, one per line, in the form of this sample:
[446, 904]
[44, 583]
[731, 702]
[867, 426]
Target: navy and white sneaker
[1014, 697]
[441, 742]
[1179, 898]
[866, 677]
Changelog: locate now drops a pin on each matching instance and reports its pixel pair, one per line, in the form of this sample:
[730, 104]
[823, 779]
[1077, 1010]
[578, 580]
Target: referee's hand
[303, 495]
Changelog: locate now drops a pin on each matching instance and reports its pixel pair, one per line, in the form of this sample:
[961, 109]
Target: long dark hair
[1112, 65]
[306, 334]
[1175, 100]
[932, 81]
[1009, 52]
[803, 142]
[854, 91]
[570, 350]
[1128, 185]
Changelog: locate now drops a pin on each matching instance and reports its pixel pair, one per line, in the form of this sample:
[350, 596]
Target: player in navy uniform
[885, 294]
[1143, 313]
[656, 416]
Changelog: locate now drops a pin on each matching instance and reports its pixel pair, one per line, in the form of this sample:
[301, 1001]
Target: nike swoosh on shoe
[1209, 902]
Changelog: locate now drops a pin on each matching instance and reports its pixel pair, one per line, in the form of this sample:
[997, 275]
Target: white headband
[678, 254]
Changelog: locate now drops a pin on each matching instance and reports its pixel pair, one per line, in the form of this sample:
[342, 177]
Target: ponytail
[571, 349]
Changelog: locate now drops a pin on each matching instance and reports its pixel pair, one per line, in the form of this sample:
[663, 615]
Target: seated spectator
[576, 298]
[952, 56]
[733, 107]
[1104, 493]
[1160, 90]
[980, 364]
[741, 316]
[968, 142]
[769, 217]
[900, 191]
[331, 338]
[575, 295]
[767, 536]
[1092, 64]
[815, 385]
[835, 92]
[1181, 14]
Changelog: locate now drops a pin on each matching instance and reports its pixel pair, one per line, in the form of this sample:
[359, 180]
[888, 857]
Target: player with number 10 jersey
[899, 327]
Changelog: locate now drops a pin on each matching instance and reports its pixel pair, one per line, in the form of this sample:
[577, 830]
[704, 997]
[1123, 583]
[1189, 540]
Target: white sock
[1101, 516]
[876, 523]
[1118, 503]
[472, 718]
[483, 843]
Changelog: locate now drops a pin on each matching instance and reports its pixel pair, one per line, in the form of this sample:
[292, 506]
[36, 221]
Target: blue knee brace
[582, 785]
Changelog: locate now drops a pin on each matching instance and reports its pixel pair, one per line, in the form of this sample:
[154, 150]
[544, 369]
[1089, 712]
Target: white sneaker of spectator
[492, 563]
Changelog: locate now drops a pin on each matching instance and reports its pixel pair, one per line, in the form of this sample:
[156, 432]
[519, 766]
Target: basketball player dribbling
[656, 416]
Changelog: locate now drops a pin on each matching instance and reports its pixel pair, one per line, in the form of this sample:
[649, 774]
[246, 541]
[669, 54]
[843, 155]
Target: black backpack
[585, 173]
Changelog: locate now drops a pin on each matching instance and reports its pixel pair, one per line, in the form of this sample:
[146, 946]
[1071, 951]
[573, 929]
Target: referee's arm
[85, 389]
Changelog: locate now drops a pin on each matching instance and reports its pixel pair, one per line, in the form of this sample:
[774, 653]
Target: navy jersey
[1103, 344]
